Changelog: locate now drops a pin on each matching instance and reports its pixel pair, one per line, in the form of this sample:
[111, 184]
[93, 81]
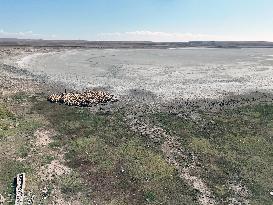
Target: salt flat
[168, 73]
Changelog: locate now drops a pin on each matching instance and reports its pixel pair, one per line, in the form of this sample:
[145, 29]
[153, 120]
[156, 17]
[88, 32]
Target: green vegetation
[47, 159]
[115, 165]
[20, 97]
[15, 132]
[24, 150]
[233, 146]
[4, 112]
[71, 184]
[8, 170]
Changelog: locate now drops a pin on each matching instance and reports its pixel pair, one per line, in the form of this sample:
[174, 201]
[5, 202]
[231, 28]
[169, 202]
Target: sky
[139, 20]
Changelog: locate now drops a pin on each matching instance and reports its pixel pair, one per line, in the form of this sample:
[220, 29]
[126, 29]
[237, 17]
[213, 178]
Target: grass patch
[8, 171]
[24, 150]
[5, 113]
[232, 145]
[92, 151]
[115, 165]
[47, 159]
[20, 97]
[71, 184]
[15, 135]
[150, 197]
[144, 164]
[113, 161]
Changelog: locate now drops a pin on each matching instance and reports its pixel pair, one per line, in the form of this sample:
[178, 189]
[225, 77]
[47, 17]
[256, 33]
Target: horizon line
[136, 41]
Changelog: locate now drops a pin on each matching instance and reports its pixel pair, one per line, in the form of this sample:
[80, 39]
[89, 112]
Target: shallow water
[173, 73]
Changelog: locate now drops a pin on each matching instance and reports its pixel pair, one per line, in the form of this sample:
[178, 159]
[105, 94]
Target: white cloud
[159, 36]
[25, 35]
[178, 37]
[145, 36]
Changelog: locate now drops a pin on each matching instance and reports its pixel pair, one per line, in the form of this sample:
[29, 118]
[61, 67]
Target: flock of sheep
[85, 99]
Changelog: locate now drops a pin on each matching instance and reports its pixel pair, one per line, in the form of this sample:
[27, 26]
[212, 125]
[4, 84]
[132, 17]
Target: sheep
[87, 98]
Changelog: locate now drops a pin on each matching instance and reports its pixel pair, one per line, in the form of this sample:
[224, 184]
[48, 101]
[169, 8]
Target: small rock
[2, 199]
[45, 192]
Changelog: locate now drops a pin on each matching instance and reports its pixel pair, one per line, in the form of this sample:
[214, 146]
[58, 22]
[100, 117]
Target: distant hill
[132, 44]
[231, 44]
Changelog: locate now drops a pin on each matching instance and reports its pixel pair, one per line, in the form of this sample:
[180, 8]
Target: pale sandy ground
[169, 74]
